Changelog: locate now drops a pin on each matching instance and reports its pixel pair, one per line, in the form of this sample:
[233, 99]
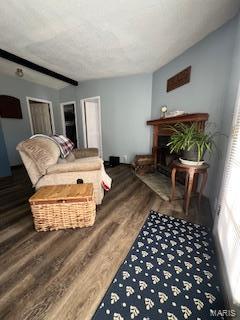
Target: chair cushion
[42, 151]
[85, 152]
[84, 164]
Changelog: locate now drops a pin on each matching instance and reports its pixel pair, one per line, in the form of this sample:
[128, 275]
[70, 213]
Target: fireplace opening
[165, 158]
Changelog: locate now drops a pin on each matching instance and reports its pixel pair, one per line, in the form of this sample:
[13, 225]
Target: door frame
[50, 108]
[98, 98]
[62, 104]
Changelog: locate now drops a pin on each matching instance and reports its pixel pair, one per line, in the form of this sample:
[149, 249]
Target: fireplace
[161, 136]
[165, 158]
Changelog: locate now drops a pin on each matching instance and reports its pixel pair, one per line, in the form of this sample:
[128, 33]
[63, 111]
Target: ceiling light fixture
[19, 72]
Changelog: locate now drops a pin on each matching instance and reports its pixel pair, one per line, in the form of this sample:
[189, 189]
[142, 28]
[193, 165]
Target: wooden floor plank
[64, 274]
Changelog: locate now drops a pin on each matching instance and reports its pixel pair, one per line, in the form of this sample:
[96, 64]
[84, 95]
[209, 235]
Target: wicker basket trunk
[63, 206]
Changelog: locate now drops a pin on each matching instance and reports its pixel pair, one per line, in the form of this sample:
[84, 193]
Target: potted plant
[190, 143]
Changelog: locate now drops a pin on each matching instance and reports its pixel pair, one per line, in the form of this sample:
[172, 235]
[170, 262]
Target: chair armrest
[75, 166]
[85, 152]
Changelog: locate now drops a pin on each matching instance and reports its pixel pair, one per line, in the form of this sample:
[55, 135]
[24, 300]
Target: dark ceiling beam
[26, 63]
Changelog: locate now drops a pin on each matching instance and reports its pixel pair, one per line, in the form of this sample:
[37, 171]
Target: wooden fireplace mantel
[160, 126]
[186, 117]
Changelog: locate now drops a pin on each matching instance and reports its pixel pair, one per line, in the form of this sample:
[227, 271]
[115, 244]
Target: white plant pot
[191, 163]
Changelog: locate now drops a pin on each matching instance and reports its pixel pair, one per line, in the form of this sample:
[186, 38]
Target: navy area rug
[169, 273]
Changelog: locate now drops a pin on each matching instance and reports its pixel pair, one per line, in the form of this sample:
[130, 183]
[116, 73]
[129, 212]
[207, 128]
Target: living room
[118, 57]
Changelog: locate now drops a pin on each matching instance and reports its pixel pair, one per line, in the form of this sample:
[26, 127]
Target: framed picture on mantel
[10, 107]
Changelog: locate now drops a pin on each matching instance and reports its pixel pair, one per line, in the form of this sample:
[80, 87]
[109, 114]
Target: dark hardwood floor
[64, 274]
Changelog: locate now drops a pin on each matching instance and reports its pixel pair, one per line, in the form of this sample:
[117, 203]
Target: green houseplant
[190, 143]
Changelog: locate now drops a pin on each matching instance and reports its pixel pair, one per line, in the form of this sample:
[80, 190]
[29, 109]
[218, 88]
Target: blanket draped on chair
[64, 144]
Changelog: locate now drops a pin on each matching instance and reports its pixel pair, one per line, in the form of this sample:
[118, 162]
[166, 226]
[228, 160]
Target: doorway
[41, 116]
[91, 118]
[69, 121]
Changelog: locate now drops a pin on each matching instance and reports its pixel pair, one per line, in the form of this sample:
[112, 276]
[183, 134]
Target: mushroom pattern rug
[169, 273]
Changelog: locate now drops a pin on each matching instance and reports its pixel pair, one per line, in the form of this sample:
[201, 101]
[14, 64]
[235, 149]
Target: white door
[92, 123]
[41, 120]
[40, 116]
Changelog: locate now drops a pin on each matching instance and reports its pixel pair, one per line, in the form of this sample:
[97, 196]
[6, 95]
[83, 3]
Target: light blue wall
[68, 93]
[125, 108]
[4, 163]
[211, 61]
[16, 130]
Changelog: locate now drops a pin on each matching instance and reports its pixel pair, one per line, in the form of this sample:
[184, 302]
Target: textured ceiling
[9, 68]
[90, 39]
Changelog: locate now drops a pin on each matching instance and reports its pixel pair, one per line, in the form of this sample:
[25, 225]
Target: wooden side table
[190, 173]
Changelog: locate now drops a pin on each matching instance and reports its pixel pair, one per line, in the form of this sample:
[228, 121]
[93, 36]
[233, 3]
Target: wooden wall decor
[179, 79]
[10, 107]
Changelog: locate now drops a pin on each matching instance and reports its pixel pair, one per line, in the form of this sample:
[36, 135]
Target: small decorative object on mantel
[10, 107]
[163, 111]
[174, 114]
[179, 79]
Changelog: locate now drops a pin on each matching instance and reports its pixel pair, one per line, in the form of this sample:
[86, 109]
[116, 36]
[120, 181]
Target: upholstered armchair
[41, 158]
